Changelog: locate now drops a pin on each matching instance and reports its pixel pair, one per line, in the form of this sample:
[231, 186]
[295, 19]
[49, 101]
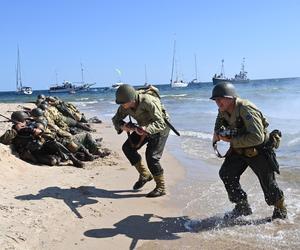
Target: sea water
[201, 195]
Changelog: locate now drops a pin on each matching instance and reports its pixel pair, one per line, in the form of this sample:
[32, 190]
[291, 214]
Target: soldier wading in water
[250, 145]
[151, 117]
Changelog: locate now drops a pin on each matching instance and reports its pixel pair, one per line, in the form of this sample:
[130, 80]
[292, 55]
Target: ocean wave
[201, 135]
[83, 104]
[294, 142]
[173, 95]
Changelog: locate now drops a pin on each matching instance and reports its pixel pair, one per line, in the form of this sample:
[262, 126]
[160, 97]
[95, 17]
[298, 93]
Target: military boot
[87, 155]
[145, 175]
[280, 211]
[241, 209]
[160, 189]
[77, 163]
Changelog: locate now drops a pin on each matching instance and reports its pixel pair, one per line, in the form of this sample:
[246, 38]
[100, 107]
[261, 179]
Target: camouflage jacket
[250, 123]
[52, 114]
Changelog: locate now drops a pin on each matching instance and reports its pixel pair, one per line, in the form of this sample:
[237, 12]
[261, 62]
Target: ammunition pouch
[274, 139]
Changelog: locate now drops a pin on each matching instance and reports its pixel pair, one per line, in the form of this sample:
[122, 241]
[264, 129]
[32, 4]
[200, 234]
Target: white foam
[195, 134]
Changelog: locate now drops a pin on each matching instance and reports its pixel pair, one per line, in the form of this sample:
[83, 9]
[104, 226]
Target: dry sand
[63, 207]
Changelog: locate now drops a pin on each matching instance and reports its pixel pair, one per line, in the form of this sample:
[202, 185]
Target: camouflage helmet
[223, 89]
[36, 112]
[19, 116]
[125, 93]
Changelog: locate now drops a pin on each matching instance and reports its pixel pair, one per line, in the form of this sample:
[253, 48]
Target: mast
[196, 76]
[18, 72]
[81, 73]
[243, 65]
[146, 80]
[222, 69]
[173, 62]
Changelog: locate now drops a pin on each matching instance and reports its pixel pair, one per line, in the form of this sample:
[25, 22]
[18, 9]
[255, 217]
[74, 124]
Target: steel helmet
[36, 112]
[223, 89]
[43, 106]
[41, 96]
[19, 116]
[42, 120]
[125, 93]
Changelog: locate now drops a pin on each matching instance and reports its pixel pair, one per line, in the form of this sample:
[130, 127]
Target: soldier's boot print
[242, 208]
[160, 188]
[77, 163]
[144, 177]
[280, 211]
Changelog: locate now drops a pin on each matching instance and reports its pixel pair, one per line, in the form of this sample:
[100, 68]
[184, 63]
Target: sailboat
[19, 85]
[195, 80]
[221, 77]
[177, 83]
[83, 86]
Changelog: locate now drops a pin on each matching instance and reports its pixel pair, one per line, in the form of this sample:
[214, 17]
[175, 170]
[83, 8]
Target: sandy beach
[63, 207]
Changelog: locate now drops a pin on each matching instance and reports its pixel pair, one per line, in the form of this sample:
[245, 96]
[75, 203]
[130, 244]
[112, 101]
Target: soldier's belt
[248, 152]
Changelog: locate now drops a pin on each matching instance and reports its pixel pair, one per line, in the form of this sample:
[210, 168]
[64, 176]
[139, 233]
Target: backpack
[149, 90]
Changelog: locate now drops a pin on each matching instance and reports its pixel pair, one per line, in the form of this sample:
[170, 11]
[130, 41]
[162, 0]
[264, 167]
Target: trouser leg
[266, 178]
[231, 170]
[154, 151]
[130, 151]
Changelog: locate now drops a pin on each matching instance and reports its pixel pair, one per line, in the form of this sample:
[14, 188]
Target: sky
[109, 37]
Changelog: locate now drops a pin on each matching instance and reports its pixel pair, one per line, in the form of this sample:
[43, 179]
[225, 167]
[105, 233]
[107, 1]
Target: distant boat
[221, 77]
[83, 86]
[117, 85]
[65, 87]
[241, 77]
[177, 83]
[195, 80]
[72, 88]
[19, 85]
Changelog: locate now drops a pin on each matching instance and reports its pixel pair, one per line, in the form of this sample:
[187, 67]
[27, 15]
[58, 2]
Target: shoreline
[95, 207]
[71, 208]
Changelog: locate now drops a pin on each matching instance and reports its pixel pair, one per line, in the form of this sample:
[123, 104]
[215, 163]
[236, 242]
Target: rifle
[8, 119]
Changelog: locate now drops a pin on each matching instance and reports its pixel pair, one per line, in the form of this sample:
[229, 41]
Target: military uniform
[248, 147]
[53, 114]
[149, 114]
[246, 150]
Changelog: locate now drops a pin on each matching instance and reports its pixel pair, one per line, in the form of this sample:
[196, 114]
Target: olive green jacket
[149, 114]
[251, 125]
